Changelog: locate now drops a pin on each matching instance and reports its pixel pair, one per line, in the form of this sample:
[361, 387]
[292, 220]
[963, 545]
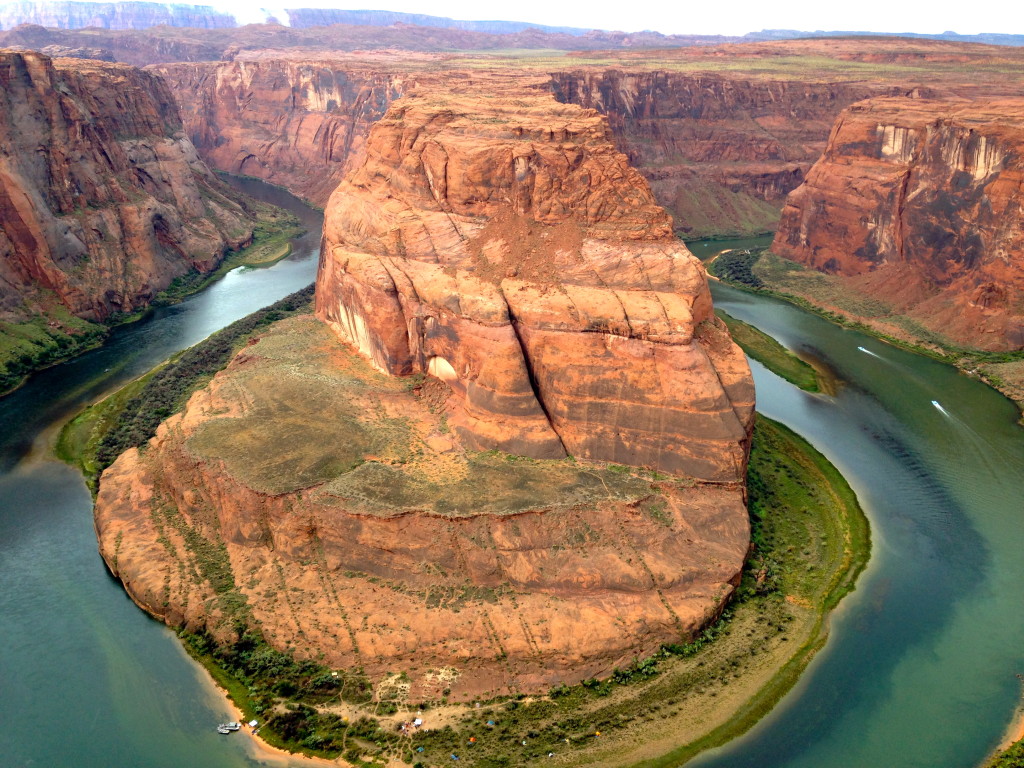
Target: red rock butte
[499, 278]
[495, 239]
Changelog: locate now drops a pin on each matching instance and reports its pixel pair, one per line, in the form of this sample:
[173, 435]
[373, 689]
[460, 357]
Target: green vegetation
[762, 271]
[129, 417]
[42, 341]
[736, 267]
[1009, 758]
[810, 543]
[56, 335]
[713, 210]
[271, 242]
[772, 355]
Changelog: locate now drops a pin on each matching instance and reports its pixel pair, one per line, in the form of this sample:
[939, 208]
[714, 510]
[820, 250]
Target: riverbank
[48, 340]
[772, 355]
[700, 694]
[760, 271]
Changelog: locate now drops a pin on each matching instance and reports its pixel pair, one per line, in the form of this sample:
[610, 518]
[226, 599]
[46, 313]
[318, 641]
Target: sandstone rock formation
[103, 199]
[309, 498]
[322, 494]
[919, 203]
[294, 123]
[720, 150]
[499, 242]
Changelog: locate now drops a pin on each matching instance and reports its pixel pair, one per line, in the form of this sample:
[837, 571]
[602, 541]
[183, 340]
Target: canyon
[103, 199]
[919, 204]
[467, 530]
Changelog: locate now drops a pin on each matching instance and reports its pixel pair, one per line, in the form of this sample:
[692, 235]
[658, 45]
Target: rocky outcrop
[503, 280]
[496, 240]
[292, 123]
[328, 507]
[716, 141]
[103, 199]
[919, 203]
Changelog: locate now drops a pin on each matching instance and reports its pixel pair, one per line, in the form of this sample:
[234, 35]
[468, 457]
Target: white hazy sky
[705, 17]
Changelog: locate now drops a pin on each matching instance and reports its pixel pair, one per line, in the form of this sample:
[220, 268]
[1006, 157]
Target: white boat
[233, 726]
[222, 728]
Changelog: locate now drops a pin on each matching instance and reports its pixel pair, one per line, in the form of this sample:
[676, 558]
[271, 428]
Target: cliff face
[292, 123]
[489, 239]
[103, 199]
[494, 241]
[919, 203]
[716, 148]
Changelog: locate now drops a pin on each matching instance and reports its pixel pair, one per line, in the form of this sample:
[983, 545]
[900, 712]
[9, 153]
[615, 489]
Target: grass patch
[129, 417]
[42, 341]
[772, 355]
[1013, 757]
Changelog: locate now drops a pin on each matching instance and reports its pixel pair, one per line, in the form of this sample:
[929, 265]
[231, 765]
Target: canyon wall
[291, 123]
[500, 242]
[719, 150]
[103, 199]
[919, 203]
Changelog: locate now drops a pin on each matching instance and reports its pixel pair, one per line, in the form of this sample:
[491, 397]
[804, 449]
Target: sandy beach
[256, 747]
[1016, 730]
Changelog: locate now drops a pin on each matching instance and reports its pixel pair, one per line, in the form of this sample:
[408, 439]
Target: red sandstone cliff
[919, 203]
[290, 122]
[103, 199]
[498, 241]
[710, 141]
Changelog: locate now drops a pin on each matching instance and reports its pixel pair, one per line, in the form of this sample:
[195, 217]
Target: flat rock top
[299, 411]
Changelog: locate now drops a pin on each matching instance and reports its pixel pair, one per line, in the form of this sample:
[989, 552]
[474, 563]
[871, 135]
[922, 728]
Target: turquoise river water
[919, 670]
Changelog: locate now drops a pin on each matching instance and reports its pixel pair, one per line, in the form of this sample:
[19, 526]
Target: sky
[725, 17]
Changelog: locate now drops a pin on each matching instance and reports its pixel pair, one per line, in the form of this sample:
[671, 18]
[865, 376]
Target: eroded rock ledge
[497, 240]
[919, 203]
[319, 492]
[103, 199]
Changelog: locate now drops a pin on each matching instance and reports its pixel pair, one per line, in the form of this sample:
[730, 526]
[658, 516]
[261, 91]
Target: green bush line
[42, 346]
[772, 355]
[167, 389]
[1012, 757]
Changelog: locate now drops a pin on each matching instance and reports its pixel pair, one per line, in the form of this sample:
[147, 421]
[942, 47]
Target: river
[919, 670]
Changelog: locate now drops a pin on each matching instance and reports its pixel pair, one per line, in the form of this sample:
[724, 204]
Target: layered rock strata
[307, 497]
[709, 140]
[294, 123]
[919, 203]
[103, 199]
[321, 493]
[499, 242]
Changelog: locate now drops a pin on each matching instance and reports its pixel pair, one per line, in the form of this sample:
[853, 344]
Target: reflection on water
[919, 670]
[86, 679]
[920, 667]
